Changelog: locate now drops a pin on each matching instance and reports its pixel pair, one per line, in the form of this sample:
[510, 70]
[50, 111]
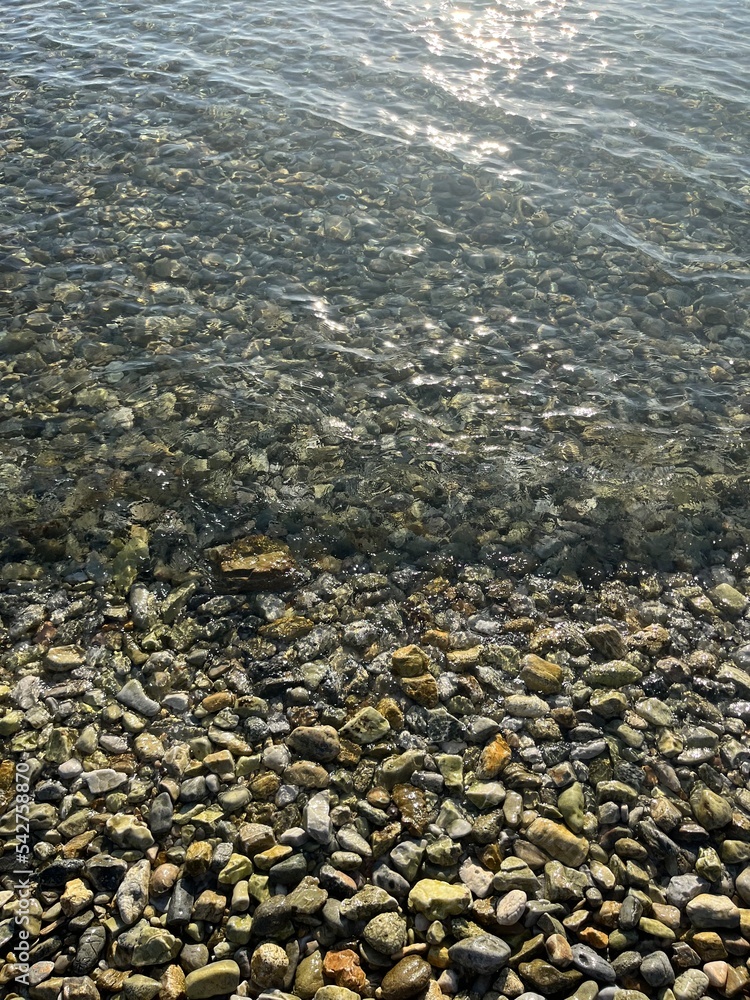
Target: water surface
[411, 278]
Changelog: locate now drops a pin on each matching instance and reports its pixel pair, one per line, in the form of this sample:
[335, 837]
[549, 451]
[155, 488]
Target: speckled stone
[268, 965]
[367, 726]
[386, 933]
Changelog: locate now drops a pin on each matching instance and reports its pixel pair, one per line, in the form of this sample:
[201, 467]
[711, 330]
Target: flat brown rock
[256, 563]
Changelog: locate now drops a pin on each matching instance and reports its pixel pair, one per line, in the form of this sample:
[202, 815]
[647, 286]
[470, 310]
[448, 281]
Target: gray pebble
[160, 814]
[592, 964]
[483, 953]
[133, 695]
[657, 970]
[317, 818]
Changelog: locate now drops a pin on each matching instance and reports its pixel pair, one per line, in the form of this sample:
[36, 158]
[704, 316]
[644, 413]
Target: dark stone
[161, 814]
[407, 978]
[181, 904]
[60, 872]
[90, 947]
[46, 948]
[105, 872]
[290, 871]
[271, 916]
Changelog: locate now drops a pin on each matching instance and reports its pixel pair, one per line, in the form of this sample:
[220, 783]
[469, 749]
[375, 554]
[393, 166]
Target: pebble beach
[374, 522]
[321, 781]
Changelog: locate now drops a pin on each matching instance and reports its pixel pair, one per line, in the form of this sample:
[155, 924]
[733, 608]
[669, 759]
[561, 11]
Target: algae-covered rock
[131, 560]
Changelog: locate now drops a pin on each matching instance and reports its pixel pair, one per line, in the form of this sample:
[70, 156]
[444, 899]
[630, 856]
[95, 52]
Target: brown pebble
[163, 878]
[344, 968]
[217, 701]
[593, 937]
[493, 758]
[609, 913]
[407, 978]
[379, 797]
[709, 946]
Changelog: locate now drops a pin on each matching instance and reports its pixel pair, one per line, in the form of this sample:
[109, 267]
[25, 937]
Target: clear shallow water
[404, 276]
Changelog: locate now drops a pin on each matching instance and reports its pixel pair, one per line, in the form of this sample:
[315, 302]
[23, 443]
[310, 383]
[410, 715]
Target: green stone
[451, 767]
[709, 864]
[397, 770]
[59, 747]
[155, 947]
[608, 704]
[615, 674]
[616, 791]
[367, 726]
[588, 990]
[571, 804]
[486, 794]
[734, 852]
[239, 928]
[439, 900]
[558, 841]
[11, 722]
[309, 976]
[655, 712]
[622, 940]
[75, 824]
[288, 628]
[728, 599]
[215, 979]
[334, 993]
[655, 928]
[237, 868]
[386, 933]
[546, 979]
[138, 987]
[711, 810]
[132, 558]
[563, 884]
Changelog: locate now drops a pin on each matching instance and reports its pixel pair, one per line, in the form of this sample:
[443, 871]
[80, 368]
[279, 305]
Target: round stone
[407, 978]
[657, 970]
[269, 965]
[386, 933]
[707, 912]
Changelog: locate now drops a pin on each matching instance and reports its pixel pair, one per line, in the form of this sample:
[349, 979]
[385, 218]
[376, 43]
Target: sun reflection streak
[476, 55]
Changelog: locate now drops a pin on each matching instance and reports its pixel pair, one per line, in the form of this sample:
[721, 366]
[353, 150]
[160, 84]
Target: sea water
[391, 276]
